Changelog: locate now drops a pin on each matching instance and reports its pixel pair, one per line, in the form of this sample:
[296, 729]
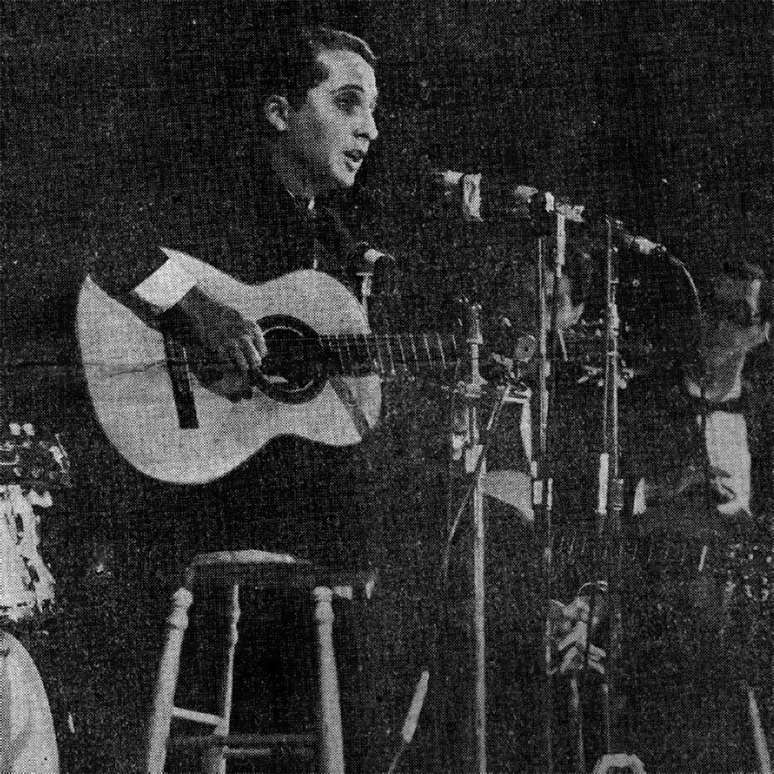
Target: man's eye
[348, 102]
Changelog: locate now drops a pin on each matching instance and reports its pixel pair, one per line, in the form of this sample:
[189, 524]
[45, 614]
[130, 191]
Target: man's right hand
[225, 347]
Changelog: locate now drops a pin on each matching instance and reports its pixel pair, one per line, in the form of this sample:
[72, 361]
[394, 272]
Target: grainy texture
[659, 113]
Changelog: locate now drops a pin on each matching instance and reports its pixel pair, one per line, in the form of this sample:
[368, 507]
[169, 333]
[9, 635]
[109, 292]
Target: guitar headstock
[28, 459]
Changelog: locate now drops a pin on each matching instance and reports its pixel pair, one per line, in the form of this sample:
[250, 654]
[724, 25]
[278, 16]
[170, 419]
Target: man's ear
[276, 109]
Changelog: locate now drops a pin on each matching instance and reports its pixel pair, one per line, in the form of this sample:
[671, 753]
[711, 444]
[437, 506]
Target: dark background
[659, 113]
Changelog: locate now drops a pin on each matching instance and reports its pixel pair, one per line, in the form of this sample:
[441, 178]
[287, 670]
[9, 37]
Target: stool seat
[267, 571]
[262, 568]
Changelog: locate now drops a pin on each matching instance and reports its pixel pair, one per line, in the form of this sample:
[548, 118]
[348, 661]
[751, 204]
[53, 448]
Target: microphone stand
[542, 467]
[470, 443]
[549, 335]
[475, 465]
[610, 491]
[467, 446]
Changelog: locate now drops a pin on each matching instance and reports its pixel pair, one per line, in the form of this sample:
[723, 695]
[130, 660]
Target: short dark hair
[292, 67]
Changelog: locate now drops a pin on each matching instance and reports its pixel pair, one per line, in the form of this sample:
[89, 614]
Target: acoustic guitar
[320, 380]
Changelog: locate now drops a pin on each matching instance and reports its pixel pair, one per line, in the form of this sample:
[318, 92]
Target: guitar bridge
[180, 376]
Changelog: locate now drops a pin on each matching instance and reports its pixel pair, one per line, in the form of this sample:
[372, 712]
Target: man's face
[329, 134]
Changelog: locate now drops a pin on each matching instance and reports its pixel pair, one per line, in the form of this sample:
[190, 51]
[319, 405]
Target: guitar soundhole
[294, 371]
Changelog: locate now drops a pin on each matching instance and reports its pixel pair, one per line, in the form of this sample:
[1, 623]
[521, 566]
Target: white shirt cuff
[165, 287]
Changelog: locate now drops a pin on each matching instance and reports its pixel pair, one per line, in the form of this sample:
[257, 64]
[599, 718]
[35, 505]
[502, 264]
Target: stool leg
[213, 761]
[331, 745]
[169, 668]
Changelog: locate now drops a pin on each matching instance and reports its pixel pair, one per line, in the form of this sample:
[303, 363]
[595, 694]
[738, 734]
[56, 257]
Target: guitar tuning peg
[28, 429]
[15, 428]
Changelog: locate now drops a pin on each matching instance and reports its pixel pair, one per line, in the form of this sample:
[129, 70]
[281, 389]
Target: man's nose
[367, 126]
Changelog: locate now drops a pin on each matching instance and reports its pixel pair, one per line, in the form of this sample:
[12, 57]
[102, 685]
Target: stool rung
[205, 718]
[246, 753]
[205, 741]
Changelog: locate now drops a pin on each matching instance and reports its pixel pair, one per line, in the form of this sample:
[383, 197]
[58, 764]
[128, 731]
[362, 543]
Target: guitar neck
[390, 352]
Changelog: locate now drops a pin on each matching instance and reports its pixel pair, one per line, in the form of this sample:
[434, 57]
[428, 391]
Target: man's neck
[292, 179]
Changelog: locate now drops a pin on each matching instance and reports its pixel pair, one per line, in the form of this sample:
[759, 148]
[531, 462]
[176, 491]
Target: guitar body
[130, 382]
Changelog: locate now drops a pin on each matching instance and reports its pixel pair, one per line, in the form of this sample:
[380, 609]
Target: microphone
[578, 213]
[522, 200]
[545, 201]
[639, 244]
[363, 257]
[376, 266]
[647, 248]
[377, 258]
[531, 202]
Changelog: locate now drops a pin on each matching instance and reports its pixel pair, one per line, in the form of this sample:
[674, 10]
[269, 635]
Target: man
[319, 130]
[317, 107]
[738, 323]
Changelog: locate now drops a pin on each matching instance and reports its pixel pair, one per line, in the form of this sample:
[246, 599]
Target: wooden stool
[263, 570]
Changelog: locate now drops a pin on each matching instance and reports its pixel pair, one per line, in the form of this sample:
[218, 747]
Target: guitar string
[145, 366]
[362, 341]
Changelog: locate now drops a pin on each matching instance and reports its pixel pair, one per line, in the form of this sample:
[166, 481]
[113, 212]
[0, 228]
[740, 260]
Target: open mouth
[355, 156]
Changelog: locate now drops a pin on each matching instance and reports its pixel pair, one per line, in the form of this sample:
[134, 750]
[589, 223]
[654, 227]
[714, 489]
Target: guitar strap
[349, 401]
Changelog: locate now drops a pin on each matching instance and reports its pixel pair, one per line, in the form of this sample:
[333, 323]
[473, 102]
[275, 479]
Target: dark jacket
[254, 232]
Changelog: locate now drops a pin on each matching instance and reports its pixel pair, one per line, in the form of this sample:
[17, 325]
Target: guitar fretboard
[393, 351]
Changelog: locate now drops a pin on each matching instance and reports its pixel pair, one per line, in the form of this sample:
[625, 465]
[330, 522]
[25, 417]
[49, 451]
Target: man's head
[320, 109]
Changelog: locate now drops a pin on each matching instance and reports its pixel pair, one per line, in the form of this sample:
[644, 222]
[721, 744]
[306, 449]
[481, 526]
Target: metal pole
[613, 504]
[476, 464]
[541, 501]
